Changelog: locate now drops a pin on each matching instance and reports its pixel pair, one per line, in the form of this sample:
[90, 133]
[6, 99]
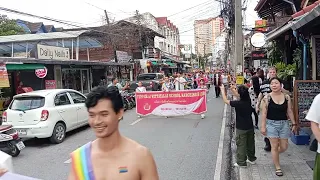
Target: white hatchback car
[47, 113]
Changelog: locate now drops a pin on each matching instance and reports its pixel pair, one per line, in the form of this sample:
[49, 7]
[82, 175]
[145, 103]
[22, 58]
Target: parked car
[151, 81]
[47, 113]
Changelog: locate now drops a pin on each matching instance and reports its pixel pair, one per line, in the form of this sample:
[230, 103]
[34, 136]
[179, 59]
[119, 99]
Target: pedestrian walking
[314, 116]
[217, 83]
[276, 107]
[244, 126]
[254, 91]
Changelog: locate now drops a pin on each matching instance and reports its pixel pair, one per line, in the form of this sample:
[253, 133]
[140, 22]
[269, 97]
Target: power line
[207, 2]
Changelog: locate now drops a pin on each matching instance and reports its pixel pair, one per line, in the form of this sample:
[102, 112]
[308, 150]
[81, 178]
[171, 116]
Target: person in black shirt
[244, 125]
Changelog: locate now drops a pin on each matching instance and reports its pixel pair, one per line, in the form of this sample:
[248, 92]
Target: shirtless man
[111, 155]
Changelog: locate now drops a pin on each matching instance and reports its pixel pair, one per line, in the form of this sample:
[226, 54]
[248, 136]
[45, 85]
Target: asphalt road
[185, 148]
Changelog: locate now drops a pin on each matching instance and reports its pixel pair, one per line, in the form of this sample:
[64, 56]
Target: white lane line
[67, 161]
[217, 172]
[135, 122]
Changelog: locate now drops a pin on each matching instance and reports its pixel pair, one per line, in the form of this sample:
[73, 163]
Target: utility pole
[138, 17]
[107, 18]
[204, 55]
[238, 37]
[111, 38]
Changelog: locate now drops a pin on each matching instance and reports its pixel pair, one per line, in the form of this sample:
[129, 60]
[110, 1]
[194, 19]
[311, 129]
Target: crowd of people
[267, 97]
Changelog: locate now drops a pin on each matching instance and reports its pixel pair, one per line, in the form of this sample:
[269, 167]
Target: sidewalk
[293, 163]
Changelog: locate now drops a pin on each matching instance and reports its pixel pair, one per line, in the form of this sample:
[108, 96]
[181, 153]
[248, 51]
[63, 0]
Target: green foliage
[284, 71]
[276, 54]
[9, 27]
[297, 55]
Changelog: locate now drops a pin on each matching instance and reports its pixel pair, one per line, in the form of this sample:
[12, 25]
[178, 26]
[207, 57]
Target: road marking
[135, 122]
[220, 148]
[67, 161]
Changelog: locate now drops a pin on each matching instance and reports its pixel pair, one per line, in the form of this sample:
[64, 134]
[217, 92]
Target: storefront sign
[261, 25]
[53, 52]
[173, 103]
[258, 40]
[50, 84]
[4, 79]
[122, 56]
[240, 80]
[41, 73]
[258, 55]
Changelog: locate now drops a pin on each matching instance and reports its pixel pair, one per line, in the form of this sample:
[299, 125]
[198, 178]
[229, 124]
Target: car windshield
[27, 103]
[146, 77]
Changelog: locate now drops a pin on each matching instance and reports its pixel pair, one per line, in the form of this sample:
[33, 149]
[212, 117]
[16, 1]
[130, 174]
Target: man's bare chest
[122, 168]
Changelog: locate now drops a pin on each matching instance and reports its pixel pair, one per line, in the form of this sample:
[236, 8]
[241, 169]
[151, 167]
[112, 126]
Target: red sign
[173, 103]
[27, 89]
[50, 84]
[41, 73]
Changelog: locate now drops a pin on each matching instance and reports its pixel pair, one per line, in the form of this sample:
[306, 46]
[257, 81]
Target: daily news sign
[53, 52]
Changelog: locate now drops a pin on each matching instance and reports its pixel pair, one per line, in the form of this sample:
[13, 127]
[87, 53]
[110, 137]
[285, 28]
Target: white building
[168, 45]
[218, 51]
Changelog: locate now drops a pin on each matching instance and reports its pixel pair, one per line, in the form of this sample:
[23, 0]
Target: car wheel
[14, 151]
[59, 133]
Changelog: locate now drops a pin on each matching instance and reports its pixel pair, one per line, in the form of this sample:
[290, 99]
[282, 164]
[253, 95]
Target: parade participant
[179, 82]
[244, 126]
[217, 83]
[202, 85]
[111, 155]
[276, 107]
[167, 85]
[140, 88]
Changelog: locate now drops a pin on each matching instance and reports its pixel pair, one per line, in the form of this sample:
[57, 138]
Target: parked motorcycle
[127, 100]
[10, 142]
[132, 99]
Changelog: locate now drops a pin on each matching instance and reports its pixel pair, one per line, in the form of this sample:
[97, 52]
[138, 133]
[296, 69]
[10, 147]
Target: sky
[86, 13]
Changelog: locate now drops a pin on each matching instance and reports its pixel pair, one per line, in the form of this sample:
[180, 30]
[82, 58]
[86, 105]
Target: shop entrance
[77, 79]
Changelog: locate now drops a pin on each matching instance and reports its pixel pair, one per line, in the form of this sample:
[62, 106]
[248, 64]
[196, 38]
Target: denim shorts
[278, 129]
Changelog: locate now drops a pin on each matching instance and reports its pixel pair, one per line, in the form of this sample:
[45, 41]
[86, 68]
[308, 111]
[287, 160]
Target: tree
[9, 27]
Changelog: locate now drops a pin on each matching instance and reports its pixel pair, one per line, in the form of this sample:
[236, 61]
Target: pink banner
[173, 103]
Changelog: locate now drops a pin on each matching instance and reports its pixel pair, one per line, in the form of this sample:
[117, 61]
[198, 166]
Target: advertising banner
[173, 103]
[4, 79]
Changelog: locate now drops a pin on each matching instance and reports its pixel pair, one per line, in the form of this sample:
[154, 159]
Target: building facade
[171, 32]
[205, 33]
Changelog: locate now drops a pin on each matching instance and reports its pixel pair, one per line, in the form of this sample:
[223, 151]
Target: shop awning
[24, 66]
[308, 17]
[171, 65]
[154, 63]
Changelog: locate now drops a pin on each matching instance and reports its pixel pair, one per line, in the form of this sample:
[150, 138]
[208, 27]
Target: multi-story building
[171, 32]
[205, 33]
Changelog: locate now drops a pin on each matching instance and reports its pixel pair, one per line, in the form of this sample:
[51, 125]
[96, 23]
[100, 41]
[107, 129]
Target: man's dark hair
[244, 93]
[112, 79]
[102, 92]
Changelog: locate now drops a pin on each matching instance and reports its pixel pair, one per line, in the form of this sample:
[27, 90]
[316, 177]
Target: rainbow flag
[123, 169]
[81, 163]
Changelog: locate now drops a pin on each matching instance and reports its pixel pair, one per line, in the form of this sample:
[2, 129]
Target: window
[146, 77]
[61, 99]
[77, 98]
[27, 103]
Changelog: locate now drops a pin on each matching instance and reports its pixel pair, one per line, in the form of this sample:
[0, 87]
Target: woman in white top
[140, 88]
